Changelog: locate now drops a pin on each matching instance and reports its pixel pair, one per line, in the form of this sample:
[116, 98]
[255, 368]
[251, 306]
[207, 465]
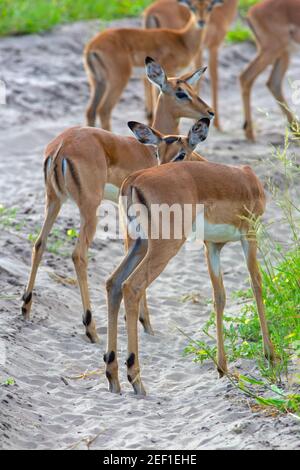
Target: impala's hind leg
[275, 83]
[132, 259]
[117, 79]
[97, 92]
[158, 255]
[247, 78]
[250, 251]
[53, 205]
[96, 74]
[144, 315]
[213, 251]
[88, 215]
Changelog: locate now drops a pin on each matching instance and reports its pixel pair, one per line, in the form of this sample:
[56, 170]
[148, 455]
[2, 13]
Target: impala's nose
[201, 24]
[211, 114]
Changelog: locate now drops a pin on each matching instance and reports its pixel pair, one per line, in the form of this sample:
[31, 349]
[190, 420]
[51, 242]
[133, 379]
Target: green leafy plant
[9, 382]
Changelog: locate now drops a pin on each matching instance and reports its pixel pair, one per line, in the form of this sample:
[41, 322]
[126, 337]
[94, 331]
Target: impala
[233, 199]
[81, 161]
[110, 57]
[217, 22]
[276, 26]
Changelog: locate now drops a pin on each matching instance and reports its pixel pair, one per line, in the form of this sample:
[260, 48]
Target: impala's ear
[195, 77]
[198, 132]
[145, 134]
[156, 74]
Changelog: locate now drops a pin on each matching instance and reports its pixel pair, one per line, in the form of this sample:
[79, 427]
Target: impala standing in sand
[111, 55]
[82, 160]
[232, 197]
[216, 26]
[276, 26]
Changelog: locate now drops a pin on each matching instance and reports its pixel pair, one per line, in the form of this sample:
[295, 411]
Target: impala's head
[172, 148]
[202, 9]
[178, 93]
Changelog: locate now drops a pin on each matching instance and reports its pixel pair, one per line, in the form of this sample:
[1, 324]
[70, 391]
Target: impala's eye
[182, 95]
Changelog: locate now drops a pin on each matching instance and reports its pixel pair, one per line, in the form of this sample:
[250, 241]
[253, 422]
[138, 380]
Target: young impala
[233, 197]
[81, 161]
[217, 24]
[111, 55]
[276, 26]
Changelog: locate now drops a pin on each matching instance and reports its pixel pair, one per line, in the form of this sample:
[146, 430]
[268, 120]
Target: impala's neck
[164, 120]
[192, 35]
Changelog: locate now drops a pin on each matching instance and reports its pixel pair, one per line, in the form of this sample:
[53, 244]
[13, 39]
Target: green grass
[281, 294]
[60, 241]
[239, 33]
[34, 16]
[244, 5]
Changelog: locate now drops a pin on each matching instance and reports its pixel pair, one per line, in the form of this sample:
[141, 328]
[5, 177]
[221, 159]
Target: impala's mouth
[205, 121]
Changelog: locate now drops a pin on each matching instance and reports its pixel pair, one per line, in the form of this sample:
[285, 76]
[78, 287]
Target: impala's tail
[61, 174]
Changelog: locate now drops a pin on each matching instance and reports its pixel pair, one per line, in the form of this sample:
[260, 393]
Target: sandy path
[187, 406]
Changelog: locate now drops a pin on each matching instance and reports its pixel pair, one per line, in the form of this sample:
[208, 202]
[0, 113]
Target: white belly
[111, 193]
[216, 233]
[294, 47]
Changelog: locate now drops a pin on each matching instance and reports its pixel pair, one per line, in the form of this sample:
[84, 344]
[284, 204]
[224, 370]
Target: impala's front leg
[214, 76]
[144, 316]
[53, 205]
[198, 61]
[250, 252]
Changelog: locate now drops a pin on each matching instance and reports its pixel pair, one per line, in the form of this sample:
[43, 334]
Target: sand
[187, 406]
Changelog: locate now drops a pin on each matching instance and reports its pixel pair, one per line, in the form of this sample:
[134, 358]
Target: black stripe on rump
[74, 174]
[46, 163]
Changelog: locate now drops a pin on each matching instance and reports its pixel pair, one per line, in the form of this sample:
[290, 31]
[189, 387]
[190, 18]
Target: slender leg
[97, 93]
[117, 81]
[247, 78]
[132, 259]
[158, 255]
[198, 64]
[250, 252]
[275, 83]
[53, 206]
[144, 315]
[80, 259]
[214, 267]
[214, 77]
